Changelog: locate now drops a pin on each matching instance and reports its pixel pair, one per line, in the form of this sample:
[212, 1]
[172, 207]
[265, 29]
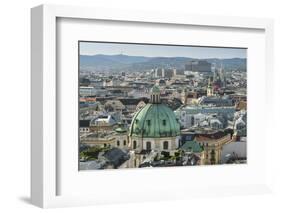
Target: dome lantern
[155, 95]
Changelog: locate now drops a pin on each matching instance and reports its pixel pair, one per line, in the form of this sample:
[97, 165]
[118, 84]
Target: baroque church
[154, 127]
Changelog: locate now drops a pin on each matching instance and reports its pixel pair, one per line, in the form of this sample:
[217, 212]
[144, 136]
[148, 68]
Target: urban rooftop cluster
[163, 117]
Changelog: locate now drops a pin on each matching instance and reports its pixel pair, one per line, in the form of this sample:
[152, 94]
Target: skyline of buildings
[162, 115]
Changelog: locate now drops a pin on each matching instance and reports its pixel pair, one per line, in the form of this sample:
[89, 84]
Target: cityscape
[155, 105]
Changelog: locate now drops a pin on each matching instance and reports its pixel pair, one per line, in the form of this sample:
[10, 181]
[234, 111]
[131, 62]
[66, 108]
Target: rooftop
[192, 146]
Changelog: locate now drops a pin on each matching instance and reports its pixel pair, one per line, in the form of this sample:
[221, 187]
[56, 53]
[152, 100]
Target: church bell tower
[210, 89]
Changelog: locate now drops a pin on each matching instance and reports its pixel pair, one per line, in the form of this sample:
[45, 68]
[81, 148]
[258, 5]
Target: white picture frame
[44, 147]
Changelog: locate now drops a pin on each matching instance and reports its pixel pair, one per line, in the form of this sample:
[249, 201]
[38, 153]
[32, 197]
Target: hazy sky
[93, 48]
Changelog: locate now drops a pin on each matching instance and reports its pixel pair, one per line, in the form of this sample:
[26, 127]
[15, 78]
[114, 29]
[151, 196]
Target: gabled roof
[115, 156]
[132, 101]
[192, 146]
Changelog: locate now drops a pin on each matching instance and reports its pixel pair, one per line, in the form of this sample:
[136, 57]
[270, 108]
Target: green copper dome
[120, 130]
[155, 89]
[155, 121]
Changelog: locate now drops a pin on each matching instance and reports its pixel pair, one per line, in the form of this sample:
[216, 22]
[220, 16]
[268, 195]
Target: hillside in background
[141, 63]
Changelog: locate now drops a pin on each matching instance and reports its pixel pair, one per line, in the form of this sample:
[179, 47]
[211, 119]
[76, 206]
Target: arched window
[118, 143]
[165, 145]
[134, 144]
[124, 142]
[164, 122]
[148, 145]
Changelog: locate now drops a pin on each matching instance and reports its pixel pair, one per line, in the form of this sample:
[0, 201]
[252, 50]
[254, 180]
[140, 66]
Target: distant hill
[230, 63]
[141, 63]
